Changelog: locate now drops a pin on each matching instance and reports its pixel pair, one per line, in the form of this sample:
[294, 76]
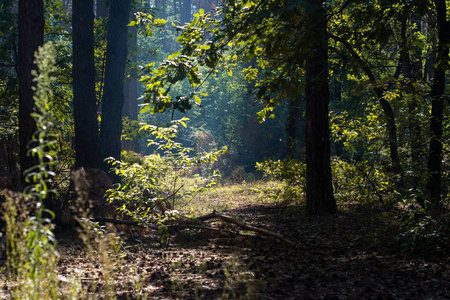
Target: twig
[151, 226]
[245, 226]
[210, 216]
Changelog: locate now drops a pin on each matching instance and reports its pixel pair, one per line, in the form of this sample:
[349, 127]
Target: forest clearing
[346, 256]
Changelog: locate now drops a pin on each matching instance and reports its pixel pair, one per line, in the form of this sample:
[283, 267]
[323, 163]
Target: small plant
[103, 246]
[289, 171]
[32, 257]
[420, 231]
[240, 283]
[150, 187]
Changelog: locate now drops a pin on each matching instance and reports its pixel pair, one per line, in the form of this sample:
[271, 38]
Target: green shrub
[149, 185]
[361, 183]
[421, 232]
[289, 171]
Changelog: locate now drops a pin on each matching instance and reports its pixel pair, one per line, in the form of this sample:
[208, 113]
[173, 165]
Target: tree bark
[292, 128]
[437, 106]
[186, 11]
[84, 99]
[410, 63]
[31, 36]
[431, 40]
[113, 96]
[319, 190]
[130, 108]
[102, 10]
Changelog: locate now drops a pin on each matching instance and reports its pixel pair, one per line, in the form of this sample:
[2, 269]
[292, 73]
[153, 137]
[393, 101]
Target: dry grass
[228, 196]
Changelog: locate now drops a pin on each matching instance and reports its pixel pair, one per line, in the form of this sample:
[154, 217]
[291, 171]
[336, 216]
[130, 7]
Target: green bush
[151, 183]
[291, 173]
[421, 232]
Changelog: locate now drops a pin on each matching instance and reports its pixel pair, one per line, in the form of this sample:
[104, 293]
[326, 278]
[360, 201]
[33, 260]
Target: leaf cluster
[159, 176]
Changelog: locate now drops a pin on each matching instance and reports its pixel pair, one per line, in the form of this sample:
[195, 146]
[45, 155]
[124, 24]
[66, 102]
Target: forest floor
[337, 257]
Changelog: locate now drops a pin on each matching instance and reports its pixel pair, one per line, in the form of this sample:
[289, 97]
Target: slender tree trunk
[319, 190]
[161, 7]
[84, 99]
[102, 10]
[292, 127]
[186, 11]
[431, 40]
[437, 106]
[113, 96]
[31, 36]
[130, 108]
[411, 68]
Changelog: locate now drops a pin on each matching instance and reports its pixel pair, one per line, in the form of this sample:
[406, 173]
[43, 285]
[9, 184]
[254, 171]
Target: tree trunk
[292, 128]
[411, 67]
[113, 96]
[130, 108]
[161, 8]
[437, 106]
[319, 189]
[186, 11]
[417, 149]
[431, 40]
[84, 99]
[102, 9]
[31, 36]
[391, 129]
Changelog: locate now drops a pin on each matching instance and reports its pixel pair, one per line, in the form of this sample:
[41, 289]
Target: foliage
[149, 185]
[421, 232]
[31, 252]
[362, 183]
[8, 77]
[254, 31]
[289, 171]
[356, 182]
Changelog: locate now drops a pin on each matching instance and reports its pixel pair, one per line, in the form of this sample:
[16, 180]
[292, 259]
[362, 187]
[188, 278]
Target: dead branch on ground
[194, 224]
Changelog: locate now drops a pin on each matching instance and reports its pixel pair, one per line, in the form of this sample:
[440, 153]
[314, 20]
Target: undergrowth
[32, 258]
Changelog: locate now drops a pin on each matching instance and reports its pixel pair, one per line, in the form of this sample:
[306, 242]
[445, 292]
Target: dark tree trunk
[31, 36]
[130, 108]
[113, 96]
[84, 99]
[186, 11]
[417, 149]
[431, 40]
[102, 9]
[411, 66]
[292, 128]
[391, 129]
[319, 190]
[437, 106]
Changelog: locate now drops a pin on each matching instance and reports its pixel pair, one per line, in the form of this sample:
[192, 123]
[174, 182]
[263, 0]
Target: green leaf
[159, 22]
[197, 99]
